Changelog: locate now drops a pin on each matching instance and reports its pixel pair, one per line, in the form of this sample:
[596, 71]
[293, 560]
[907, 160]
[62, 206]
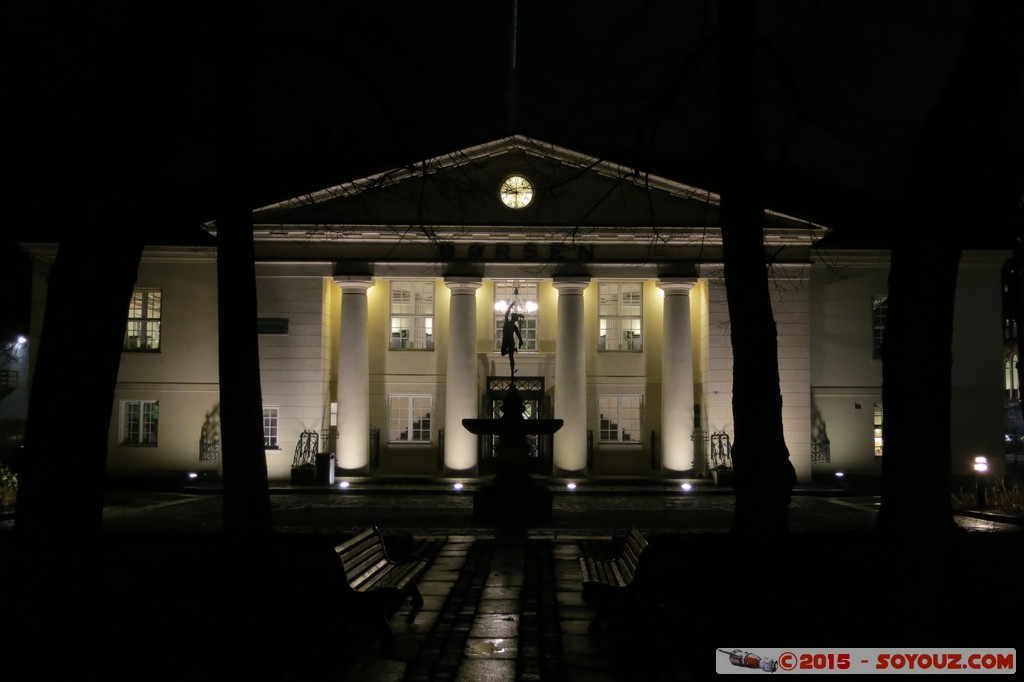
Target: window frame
[407, 403]
[1010, 376]
[412, 338]
[145, 433]
[146, 321]
[879, 313]
[877, 435]
[272, 427]
[603, 433]
[635, 343]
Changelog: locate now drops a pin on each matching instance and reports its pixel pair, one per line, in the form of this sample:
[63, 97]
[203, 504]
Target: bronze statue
[509, 333]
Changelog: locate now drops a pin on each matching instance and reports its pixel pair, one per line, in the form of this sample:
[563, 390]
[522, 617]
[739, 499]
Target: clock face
[516, 191]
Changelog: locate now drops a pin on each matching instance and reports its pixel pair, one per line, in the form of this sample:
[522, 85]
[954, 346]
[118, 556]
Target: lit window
[412, 315]
[620, 418]
[139, 420]
[524, 295]
[620, 316]
[270, 426]
[1011, 377]
[877, 430]
[409, 418]
[879, 309]
[143, 333]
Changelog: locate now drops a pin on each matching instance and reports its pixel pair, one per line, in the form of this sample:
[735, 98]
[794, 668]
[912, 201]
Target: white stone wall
[294, 371]
[183, 375]
[846, 382]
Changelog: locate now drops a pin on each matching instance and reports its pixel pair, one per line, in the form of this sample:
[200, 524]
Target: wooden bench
[615, 584]
[374, 583]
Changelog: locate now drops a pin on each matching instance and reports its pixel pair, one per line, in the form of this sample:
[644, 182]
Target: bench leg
[416, 600]
[416, 597]
[384, 631]
[596, 625]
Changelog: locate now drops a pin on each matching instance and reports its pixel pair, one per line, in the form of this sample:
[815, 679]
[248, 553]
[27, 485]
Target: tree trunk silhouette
[917, 364]
[763, 476]
[1017, 307]
[246, 494]
[62, 471]
[59, 508]
[957, 188]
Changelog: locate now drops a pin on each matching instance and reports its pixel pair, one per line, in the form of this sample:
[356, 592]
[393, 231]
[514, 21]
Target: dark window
[879, 309]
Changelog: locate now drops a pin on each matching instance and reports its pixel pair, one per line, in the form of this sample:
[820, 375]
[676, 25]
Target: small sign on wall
[272, 325]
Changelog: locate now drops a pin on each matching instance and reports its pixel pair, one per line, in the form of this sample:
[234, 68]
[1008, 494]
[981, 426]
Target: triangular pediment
[458, 194]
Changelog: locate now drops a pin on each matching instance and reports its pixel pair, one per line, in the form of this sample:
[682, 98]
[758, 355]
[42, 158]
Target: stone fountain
[512, 497]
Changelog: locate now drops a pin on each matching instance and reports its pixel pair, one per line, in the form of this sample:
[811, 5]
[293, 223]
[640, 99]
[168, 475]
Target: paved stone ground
[172, 601]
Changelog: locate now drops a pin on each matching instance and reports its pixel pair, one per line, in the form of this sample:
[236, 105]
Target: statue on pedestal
[513, 498]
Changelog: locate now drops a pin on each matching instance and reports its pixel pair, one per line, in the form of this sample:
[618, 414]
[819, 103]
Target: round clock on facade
[516, 191]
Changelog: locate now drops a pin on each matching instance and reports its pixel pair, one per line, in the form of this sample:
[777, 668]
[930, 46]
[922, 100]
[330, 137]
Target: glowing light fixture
[343, 484]
[457, 486]
[686, 486]
[839, 474]
[193, 474]
[22, 339]
[528, 306]
[571, 486]
[981, 464]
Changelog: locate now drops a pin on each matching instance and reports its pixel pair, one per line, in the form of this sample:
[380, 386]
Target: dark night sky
[119, 108]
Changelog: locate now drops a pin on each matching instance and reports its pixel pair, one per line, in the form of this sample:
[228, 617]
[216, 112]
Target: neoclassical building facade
[382, 302]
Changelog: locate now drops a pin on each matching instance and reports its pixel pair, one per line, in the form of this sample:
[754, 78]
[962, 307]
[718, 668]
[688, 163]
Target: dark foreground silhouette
[170, 606]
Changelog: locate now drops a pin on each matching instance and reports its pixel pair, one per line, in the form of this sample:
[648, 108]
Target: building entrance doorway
[537, 406]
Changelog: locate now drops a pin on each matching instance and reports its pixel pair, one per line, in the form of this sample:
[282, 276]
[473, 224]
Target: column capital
[457, 283]
[353, 282]
[570, 283]
[676, 284]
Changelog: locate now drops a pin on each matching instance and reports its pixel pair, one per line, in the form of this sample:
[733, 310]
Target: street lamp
[980, 467]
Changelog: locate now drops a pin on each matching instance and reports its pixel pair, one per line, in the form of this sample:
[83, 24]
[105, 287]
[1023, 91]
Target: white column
[570, 376]
[676, 376]
[353, 375]
[460, 396]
